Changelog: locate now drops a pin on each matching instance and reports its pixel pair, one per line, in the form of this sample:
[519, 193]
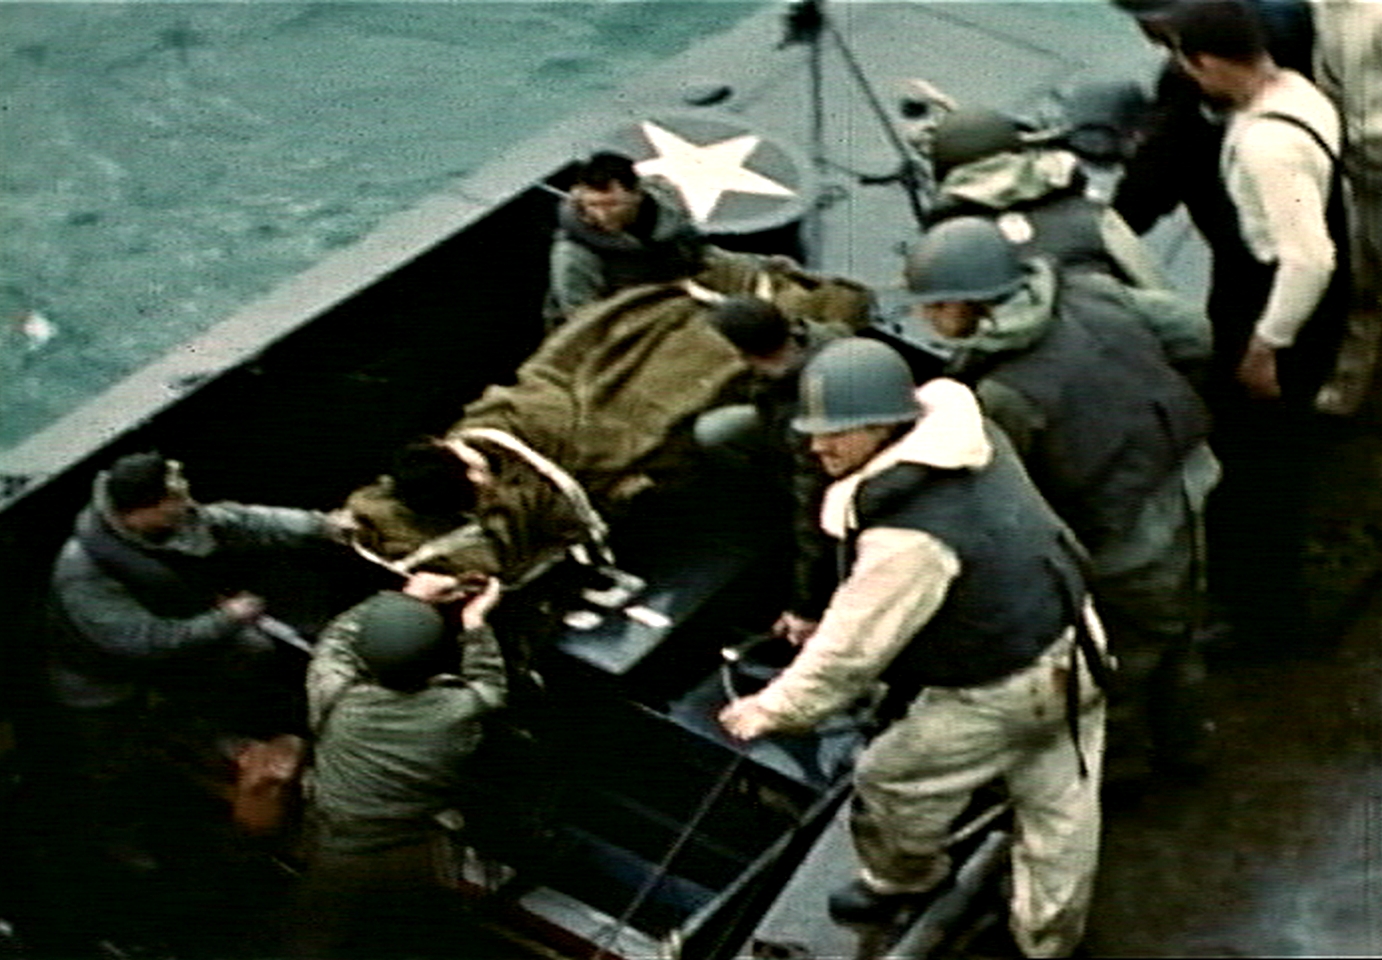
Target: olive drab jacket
[522, 525]
[387, 761]
[594, 417]
[775, 401]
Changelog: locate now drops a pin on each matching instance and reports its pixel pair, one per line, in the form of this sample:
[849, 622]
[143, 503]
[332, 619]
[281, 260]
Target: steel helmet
[964, 258]
[855, 382]
[966, 135]
[1103, 117]
[400, 639]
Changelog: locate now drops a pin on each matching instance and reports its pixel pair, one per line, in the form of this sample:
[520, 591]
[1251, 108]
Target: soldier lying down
[600, 412]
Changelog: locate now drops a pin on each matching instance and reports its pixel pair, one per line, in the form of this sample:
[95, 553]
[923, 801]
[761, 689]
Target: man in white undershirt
[1277, 333]
[1278, 164]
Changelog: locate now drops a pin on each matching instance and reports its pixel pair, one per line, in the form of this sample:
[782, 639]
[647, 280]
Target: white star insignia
[704, 173]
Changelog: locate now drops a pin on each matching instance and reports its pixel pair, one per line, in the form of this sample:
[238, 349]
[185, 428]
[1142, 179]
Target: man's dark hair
[1228, 29]
[137, 480]
[756, 327]
[602, 170]
[431, 480]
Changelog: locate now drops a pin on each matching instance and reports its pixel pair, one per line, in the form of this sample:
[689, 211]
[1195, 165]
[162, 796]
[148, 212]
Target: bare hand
[795, 628]
[341, 525]
[433, 588]
[243, 607]
[478, 607]
[1257, 372]
[745, 719]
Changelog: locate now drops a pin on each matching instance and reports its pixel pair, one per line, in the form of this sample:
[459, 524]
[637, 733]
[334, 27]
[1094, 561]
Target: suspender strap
[1301, 124]
[1085, 646]
[1072, 706]
[1098, 671]
[1093, 656]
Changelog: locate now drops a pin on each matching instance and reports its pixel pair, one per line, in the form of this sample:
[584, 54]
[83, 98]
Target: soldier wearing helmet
[1115, 439]
[963, 584]
[395, 701]
[987, 165]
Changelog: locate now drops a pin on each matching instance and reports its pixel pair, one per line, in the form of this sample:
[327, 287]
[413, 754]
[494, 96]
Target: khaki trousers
[915, 779]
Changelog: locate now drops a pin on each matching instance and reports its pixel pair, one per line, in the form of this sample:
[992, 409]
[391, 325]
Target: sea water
[161, 164]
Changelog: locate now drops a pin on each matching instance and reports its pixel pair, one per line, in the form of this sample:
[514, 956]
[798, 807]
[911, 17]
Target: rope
[908, 176]
[372, 557]
[701, 293]
[661, 870]
[595, 525]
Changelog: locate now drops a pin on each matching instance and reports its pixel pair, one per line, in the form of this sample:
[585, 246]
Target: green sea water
[163, 163]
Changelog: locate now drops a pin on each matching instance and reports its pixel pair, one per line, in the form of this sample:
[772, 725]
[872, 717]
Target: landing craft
[664, 838]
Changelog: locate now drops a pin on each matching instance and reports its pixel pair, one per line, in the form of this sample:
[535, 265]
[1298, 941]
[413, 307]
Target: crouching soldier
[756, 438]
[147, 601]
[986, 166]
[172, 712]
[963, 594]
[154, 640]
[1073, 370]
[395, 704]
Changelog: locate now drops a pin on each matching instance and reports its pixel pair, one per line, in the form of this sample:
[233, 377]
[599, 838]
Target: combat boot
[858, 903]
